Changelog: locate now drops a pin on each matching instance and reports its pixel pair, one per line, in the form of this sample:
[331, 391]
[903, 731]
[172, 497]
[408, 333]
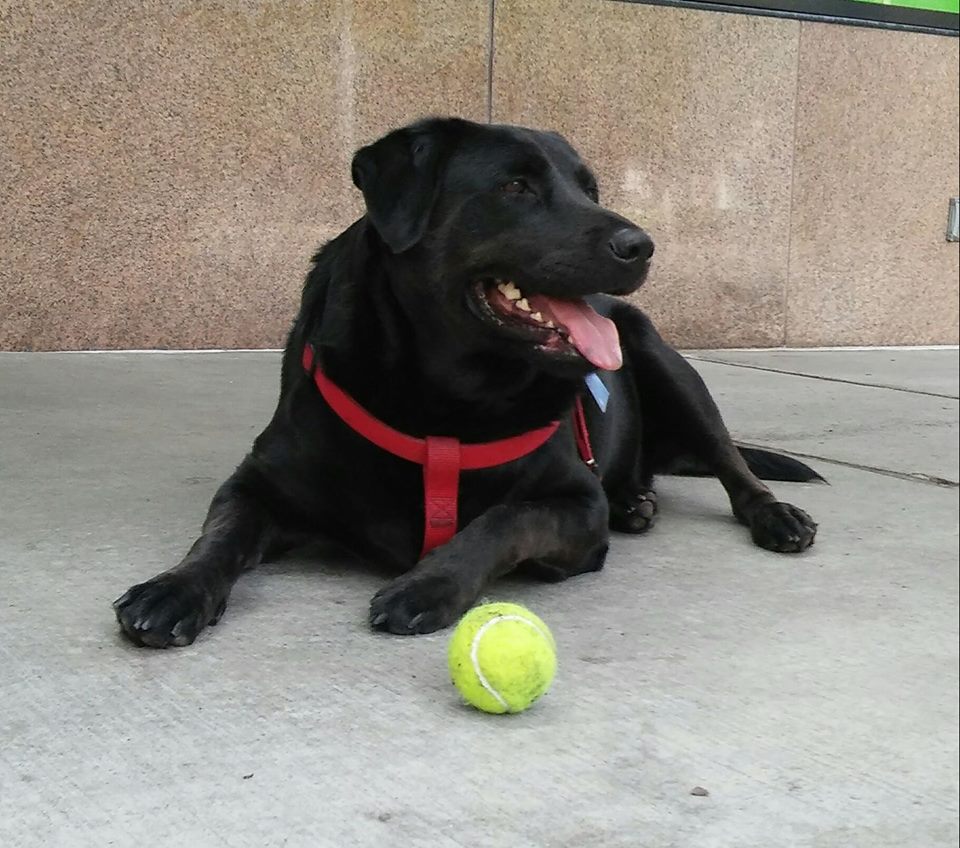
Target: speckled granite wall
[876, 161]
[166, 168]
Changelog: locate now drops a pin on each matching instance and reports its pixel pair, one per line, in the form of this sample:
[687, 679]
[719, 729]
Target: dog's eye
[515, 187]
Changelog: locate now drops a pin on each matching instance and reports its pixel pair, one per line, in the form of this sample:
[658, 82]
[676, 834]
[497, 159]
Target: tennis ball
[502, 658]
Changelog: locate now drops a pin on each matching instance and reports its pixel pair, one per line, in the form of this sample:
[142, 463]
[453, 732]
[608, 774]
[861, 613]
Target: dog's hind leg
[633, 507]
[629, 483]
[173, 607]
[681, 417]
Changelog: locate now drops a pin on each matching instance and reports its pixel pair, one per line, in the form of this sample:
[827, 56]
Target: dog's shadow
[323, 560]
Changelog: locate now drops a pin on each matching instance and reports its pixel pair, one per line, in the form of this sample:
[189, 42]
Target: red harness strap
[582, 435]
[442, 457]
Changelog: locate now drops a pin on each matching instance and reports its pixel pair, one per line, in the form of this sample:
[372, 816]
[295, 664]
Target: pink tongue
[593, 335]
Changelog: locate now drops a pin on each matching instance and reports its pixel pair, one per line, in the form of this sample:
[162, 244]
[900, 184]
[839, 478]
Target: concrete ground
[814, 697]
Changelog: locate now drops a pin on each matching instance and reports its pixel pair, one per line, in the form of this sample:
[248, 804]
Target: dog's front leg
[675, 401]
[173, 607]
[560, 537]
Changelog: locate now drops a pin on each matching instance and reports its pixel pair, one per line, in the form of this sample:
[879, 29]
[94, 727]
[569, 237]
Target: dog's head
[494, 236]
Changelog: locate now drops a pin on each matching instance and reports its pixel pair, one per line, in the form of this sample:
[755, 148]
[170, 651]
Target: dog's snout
[631, 244]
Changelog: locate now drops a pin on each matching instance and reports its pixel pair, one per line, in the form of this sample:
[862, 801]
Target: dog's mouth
[554, 325]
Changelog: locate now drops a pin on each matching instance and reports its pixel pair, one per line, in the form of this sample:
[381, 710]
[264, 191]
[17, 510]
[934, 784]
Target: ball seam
[475, 648]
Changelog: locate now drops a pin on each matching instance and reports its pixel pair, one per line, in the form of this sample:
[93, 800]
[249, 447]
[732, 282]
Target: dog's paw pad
[783, 527]
[633, 513]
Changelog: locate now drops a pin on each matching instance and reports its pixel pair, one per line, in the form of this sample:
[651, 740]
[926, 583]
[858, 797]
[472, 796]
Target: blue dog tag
[601, 394]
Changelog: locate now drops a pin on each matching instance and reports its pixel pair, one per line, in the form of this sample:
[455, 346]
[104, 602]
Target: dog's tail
[767, 465]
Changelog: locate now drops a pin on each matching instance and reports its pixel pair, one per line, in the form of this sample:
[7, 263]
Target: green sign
[949, 6]
[941, 17]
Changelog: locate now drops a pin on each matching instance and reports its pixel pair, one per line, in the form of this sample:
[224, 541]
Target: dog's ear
[399, 178]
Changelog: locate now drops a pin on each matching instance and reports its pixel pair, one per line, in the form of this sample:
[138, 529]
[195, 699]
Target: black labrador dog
[469, 310]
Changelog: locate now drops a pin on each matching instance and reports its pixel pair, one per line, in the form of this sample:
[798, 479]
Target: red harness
[442, 457]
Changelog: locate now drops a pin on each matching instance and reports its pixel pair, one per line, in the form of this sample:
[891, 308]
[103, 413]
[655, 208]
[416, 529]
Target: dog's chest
[376, 502]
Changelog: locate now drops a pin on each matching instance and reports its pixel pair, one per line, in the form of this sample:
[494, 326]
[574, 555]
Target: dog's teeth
[523, 304]
[551, 325]
[537, 317]
[510, 291]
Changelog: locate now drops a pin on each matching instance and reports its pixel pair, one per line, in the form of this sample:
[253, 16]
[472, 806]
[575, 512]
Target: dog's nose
[631, 244]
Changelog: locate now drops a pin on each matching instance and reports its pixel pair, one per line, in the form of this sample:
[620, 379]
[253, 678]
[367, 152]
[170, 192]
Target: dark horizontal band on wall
[847, 12]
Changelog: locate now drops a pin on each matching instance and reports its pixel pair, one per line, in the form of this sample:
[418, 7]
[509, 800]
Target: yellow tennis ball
[502, 658]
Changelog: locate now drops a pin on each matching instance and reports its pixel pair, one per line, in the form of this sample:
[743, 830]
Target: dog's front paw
[419, 603]
[168, 610]
[782, 527]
